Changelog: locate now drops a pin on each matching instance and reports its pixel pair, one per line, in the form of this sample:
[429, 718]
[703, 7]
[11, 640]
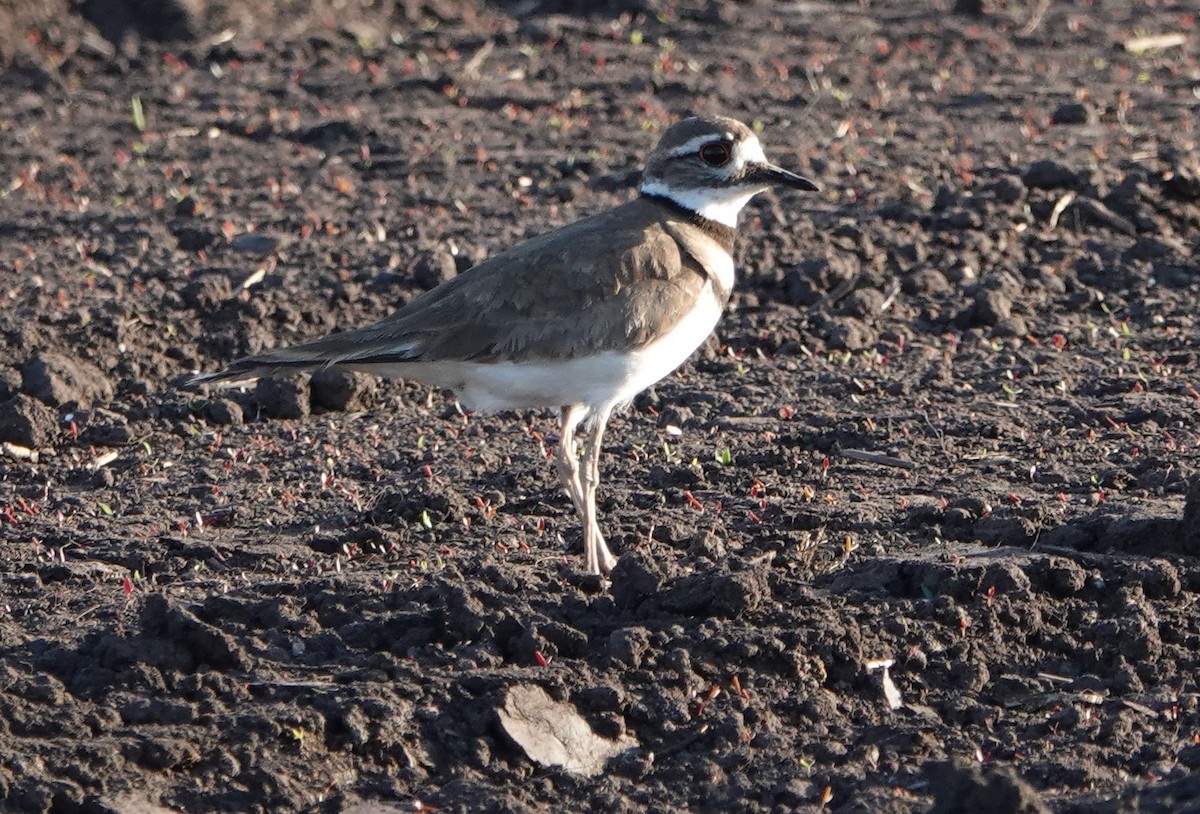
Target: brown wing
[615, 280]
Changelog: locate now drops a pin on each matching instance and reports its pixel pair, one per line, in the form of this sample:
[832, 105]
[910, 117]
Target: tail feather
[249, 369]
[360, 347]
[308, 356]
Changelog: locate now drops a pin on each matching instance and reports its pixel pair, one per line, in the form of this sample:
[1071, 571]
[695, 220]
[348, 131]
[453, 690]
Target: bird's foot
[600, 559]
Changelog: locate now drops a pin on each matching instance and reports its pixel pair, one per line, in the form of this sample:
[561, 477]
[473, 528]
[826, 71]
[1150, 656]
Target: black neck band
[718, 231]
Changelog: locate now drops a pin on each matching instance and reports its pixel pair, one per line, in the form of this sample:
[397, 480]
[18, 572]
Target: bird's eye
[715, 154]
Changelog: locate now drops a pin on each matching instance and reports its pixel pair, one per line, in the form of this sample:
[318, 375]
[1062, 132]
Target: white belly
[610, 377]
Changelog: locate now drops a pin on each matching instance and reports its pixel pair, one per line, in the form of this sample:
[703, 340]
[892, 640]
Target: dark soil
[315, 595]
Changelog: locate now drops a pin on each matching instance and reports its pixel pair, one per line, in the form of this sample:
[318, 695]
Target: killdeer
[581, 319]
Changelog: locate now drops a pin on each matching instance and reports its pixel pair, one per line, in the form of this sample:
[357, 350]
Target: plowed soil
[949, 424]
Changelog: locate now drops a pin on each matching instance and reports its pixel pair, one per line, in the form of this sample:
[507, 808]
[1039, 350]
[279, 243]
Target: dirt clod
[27, 422]
[283, 398]
[972, 790]
[1074, 113]
[433, 267]
[1046, 173]
[224, 412]
[57, 379]
[1189, 529]
[339, 390]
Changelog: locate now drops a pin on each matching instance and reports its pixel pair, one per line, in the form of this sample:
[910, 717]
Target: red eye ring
[715, 153]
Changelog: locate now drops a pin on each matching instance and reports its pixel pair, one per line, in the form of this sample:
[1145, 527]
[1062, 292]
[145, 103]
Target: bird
[580, 319]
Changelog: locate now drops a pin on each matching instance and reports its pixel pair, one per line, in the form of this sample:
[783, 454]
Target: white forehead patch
[749, 150]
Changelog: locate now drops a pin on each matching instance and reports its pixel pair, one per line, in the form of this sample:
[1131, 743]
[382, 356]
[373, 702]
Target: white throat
[720, 204]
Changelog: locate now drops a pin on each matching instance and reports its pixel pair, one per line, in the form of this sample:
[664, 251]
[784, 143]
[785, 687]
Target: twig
[768, 557]
[1058, 678]
[890, 297]
[1142, 708]
[1036, 19]
[19, 453]
[687, 741]
[877, 458]
[1154, 42]
[1103, 215]
[472, 66]
[104, 460]
[842, 289]
[1060, 207]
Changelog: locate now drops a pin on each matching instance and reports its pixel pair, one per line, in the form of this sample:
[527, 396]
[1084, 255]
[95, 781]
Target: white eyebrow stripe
[693, 144]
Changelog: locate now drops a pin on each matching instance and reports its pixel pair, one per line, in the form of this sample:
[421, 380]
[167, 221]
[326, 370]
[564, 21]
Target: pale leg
[599, 559]
[568, 462]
